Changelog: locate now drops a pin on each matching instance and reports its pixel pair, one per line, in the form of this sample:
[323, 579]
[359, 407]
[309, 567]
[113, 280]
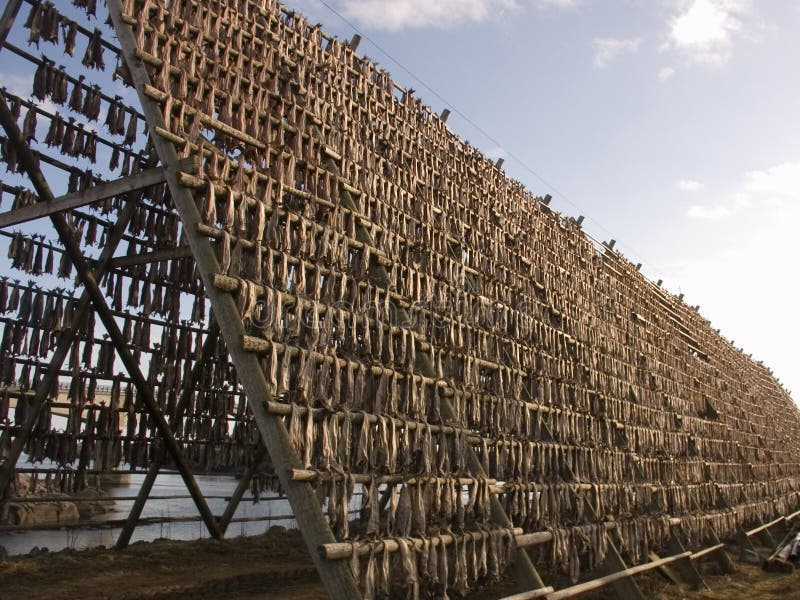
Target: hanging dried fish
[93, 57]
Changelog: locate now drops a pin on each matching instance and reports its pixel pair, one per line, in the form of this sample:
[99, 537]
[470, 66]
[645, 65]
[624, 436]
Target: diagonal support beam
[624, 588]
[87, 278]
[241, 488]
[155, 467]
[336, 576]
[97, 193]
[7, 18]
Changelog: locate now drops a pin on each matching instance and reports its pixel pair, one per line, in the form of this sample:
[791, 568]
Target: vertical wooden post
[241, 488]
[335, 575]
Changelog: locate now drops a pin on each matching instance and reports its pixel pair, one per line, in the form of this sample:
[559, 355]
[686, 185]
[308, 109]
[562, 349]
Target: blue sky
[672, 125]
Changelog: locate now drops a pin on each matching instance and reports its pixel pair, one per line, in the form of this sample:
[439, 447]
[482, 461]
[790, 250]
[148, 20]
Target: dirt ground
[277, 566]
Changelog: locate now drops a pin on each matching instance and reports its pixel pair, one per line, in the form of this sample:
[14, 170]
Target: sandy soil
[277, 566]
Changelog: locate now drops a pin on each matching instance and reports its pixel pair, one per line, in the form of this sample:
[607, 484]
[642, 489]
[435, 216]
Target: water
[166, 485]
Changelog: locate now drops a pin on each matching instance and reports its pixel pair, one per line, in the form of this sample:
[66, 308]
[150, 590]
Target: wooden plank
[766, 526]
[531, 595]
[706, 551]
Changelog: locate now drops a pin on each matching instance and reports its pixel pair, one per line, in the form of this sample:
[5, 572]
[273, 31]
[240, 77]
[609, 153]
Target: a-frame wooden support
[155, 466]
[93, 292]
[65, 341]
[335, 575]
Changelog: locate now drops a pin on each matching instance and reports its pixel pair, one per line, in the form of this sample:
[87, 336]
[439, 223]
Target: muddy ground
[277, 566]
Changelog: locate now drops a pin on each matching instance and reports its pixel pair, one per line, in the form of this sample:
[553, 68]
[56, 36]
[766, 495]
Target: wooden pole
[595, 584]
[336, 576]
[96, 193]
[241, 488]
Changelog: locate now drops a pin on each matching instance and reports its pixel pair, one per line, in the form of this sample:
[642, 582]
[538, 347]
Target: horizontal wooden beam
[96, 193]
[601, 581]
[155, 256]
[344, 550]
[765, 526]
[532, 594]
[705, 552]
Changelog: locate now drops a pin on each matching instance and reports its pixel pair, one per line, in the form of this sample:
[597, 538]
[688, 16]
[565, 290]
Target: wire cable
[558, 193]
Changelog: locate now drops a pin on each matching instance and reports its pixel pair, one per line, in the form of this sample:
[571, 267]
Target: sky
[671, 125]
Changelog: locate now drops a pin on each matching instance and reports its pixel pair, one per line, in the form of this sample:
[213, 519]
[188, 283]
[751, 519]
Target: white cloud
[608, 49]
[710, 213]
[413, 14]
[689, 185]
[738, 268]
[705, 30]
[666, 73]
[22, 86]
[776, 187]
[557, 4]
[495, 152]
[396, 15]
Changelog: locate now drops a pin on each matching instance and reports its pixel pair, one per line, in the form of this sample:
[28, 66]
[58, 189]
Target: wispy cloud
[776, 187]
[608, 49]
[441, 14]
[666, 73]
[711, 213]
[495, 152]
[705, 30]
[416, 14]
[557, 4]
[22, 86]
[689, 185]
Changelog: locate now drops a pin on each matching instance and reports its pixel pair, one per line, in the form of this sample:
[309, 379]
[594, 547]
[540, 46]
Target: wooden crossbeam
[96, 193]
[149, 257]
[600, 582]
